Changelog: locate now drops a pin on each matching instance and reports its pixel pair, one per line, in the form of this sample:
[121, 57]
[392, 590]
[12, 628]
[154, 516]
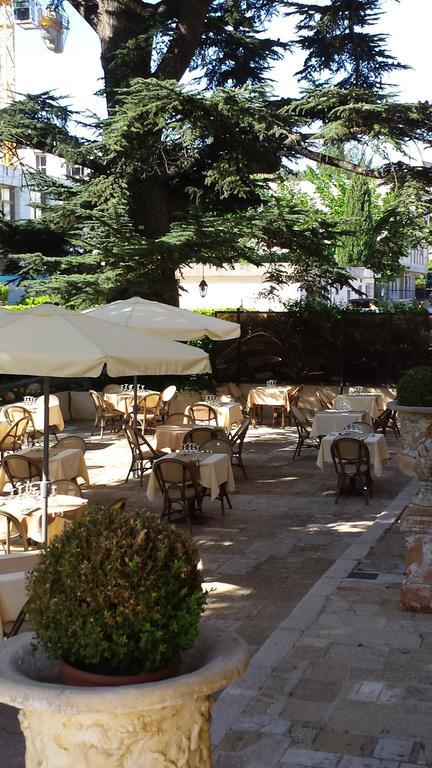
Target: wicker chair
[352, 464]
[143, 453]
[387, 420]
[220, 446]
[303, 427]
[14, 439]
[106, 416]
[70, 441]
[236, 441]
[14, 413]
[148, 411]
[200, 435]
[323, 400]
[11, 532]
[178, 419]
[66, 487]
[202, 413]
[21, 469]
[166, 397]
[179, 485]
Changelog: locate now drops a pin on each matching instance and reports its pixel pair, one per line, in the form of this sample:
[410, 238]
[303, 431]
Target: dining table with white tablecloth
[328, 421]
[214, 469]
[123, 401]
[228, 413]
[376, 443]
[65, 464]
[276, 397]
[37, 411]
[371, 402]
[27, 510]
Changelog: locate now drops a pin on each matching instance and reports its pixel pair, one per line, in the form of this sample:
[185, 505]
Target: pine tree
[356, 248]
[178, 172]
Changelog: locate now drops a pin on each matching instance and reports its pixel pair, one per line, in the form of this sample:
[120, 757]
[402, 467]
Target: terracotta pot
[74, 676]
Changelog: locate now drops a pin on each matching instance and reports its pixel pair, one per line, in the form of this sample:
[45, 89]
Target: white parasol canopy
[165, 320]
[49, 341]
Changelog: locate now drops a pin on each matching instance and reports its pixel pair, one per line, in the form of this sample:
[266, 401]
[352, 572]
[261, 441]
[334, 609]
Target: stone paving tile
[345, 743]
[308, 758]
[361, 762]
[394, 749]
[317, 690]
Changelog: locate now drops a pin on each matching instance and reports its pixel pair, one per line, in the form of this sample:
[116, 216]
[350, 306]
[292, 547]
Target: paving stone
[316, 690]
[394, 749]
[362, 762]
[345, 742]
[302, 735]
[308, 758]
[266, 723]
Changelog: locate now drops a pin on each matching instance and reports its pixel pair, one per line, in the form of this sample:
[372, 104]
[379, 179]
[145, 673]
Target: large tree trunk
[126, 29]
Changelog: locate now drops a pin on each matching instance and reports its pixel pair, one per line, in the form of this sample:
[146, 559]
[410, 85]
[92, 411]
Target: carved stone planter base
[416, 589]
[164, 724]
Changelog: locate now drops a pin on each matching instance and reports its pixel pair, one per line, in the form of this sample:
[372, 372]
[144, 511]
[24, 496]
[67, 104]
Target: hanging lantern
[203, 288]
[54, 26]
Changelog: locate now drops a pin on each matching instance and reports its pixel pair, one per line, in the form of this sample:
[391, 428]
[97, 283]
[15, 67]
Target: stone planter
[416, 461]
[155, 725]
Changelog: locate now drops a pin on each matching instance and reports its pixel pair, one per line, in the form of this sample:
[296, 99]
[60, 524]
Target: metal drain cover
[368, 575]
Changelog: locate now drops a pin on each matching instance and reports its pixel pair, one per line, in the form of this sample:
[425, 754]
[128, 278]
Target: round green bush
[117, 593]
[415, 387]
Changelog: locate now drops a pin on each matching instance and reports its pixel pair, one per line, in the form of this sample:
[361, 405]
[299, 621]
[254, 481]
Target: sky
[77, 74]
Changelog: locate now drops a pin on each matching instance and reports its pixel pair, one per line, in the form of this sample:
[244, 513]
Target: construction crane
[51, 21]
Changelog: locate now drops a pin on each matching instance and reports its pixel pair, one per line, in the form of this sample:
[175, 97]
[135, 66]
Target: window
[75, 171]
[7, 203]
[41, 163]
[37, 200]
[369, 290]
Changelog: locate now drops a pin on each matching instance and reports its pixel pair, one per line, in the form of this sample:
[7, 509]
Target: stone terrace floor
[340, 678]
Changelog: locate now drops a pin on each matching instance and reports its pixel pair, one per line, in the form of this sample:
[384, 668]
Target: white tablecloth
[376, 444]
[123, 401]
[37, 412]
[29, 512]
[227, 413]
[371, 402]
[214, 470]
[64, 465]
[171, 436]
[333, 421]
[268, 396]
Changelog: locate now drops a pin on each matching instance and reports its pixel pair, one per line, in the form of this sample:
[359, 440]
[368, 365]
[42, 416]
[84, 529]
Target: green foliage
[415, 387]
[117, 593]
[338, 49]
[355, 248]
[179, 174]
[30, 302]
[4, 293]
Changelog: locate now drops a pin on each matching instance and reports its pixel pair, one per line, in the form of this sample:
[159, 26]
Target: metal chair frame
[199, 435]
[11, 520]
[351, 461]
[178, 419]
[106, 414]
[302, 425]
[323, 400]
[14, 439]
[203, 414]
[175, 483]
[142, 460]
[387, 420]
[32, 470]
[236, 441]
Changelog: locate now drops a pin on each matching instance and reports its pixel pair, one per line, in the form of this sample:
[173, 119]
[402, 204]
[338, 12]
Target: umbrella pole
[135, 401]
[45, 485]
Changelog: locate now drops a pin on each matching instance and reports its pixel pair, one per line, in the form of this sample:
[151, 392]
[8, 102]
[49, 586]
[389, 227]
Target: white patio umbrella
[171, 322]
[50, 341]
[163, 320]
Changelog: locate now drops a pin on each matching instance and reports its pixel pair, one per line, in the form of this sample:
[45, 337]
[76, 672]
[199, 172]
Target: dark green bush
[415, 387]
[118, 593]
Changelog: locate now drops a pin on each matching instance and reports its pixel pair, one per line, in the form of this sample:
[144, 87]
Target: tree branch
[179, 54]
[334, 162]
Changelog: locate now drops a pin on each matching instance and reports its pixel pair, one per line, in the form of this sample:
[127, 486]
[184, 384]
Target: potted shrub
[414, 406]
[118, 593]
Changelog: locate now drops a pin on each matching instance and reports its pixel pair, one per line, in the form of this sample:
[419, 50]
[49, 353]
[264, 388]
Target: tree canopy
[196, 138]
